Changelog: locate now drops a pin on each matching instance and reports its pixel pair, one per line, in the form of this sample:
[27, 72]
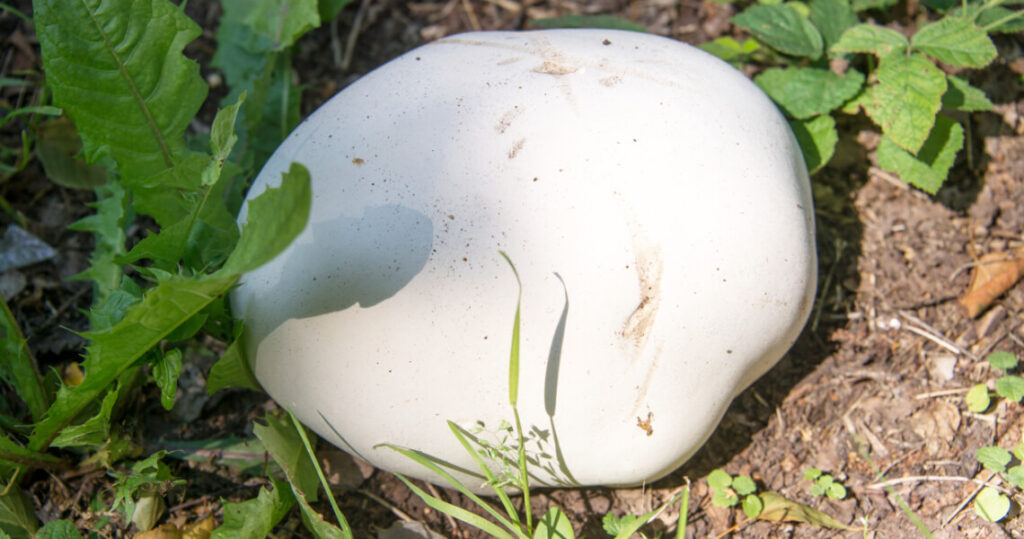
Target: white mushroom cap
[653, 200]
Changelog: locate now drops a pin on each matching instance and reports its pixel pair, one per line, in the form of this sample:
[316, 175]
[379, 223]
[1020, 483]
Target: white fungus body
[653, 200]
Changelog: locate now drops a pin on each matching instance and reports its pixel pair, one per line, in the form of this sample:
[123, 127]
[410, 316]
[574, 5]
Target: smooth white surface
[653, 200]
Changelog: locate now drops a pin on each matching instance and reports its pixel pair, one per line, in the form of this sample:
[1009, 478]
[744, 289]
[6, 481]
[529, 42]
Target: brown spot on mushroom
[611, 81]
[645, 424]
[555, 68]
[506, 119]
[358, 161]
[515, 148]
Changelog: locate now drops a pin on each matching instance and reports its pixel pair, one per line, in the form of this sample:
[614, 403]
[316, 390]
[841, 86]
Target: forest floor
[873, 391]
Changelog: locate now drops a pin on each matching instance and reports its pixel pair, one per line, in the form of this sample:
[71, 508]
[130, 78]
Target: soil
[873, 391]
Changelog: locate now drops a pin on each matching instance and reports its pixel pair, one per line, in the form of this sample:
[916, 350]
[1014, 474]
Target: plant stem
[342, 521]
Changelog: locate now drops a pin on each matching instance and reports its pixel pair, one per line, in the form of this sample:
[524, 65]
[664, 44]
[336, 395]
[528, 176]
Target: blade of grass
[342, 521]
[627, 531]
[684, 509]
[426, 462]
[506, 502]
[455, 511]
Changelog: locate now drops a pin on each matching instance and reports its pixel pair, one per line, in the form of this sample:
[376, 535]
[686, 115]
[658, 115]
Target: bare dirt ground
[875, 385]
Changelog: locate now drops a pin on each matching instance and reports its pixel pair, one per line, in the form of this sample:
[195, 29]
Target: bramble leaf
[141, 92]
[832, 17]
[783, 28]
[803, 92]
[960, 95]
[1003, 361]
[817, 138]
[994, 458]
[930, 167]
[871, 39]
[906, 99]
[977, 398]
[955, 41]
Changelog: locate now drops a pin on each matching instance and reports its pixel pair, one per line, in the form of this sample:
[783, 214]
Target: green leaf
[803, 92]
[17, 518]
[457, 512]
[283, 21]
[107, 226]
[58, 146]
[1018, 451]
[906, 99]
[554, 525]
[779, 509]
[752, 506]
[93, 432]
[832, 18]
[285, 446]
[930, 167]
[244, 454]
[222, 140]
[1015, 475]
[231, 370]
[58, 529]
[1010, 387]
[783, 28]
[863, 5]
[133, 490]
[812, 473]
[724, 498]
[719, 479]
[613, 525]
[18, 368]
[628, 530]
[275, 218]
[836, 491]
[163, 308]
[955, 41]
[991, 505]
[743, 485]
[329, 9]
[166, 371]
[871, 39]
[258, 516]
[977, 398]
[994, 458]
[1003, 361]
[729, 49]
[588, 21]
[513, 363]
[141, 92]
[999, 19]
[817, 138]
[960, 95]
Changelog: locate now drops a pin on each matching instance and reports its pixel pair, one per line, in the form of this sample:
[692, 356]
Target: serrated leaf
[554, 525]
[17, 518]
[166, 372]
[58, 529]
[1003, 361]
[93, 432]
[991, 505]
[117, 68]
[752, 506]
[906, 99]
[1010, 387]
[955, 41]
[258, 516]
[743, 485]
[163, 308]
[244, 454]
[817, 138]
[783, 28]
[871, 39]
[994, 458]
[231, 370]
[930, 168]
[977, 398]
[960, 95]
[614, 525]
[588, 21]
[779, 509]
[832, 18]
[108, 228]
[18, 368]
[803, 92]
[1015, 475]
[275, 218]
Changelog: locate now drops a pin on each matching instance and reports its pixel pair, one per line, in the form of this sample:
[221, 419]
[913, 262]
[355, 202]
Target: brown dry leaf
[167, 531]
[994, 275]
[199, 530]
[777, 509]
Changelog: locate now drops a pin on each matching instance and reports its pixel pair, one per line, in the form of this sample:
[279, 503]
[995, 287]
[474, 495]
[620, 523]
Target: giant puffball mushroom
[653, 200]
